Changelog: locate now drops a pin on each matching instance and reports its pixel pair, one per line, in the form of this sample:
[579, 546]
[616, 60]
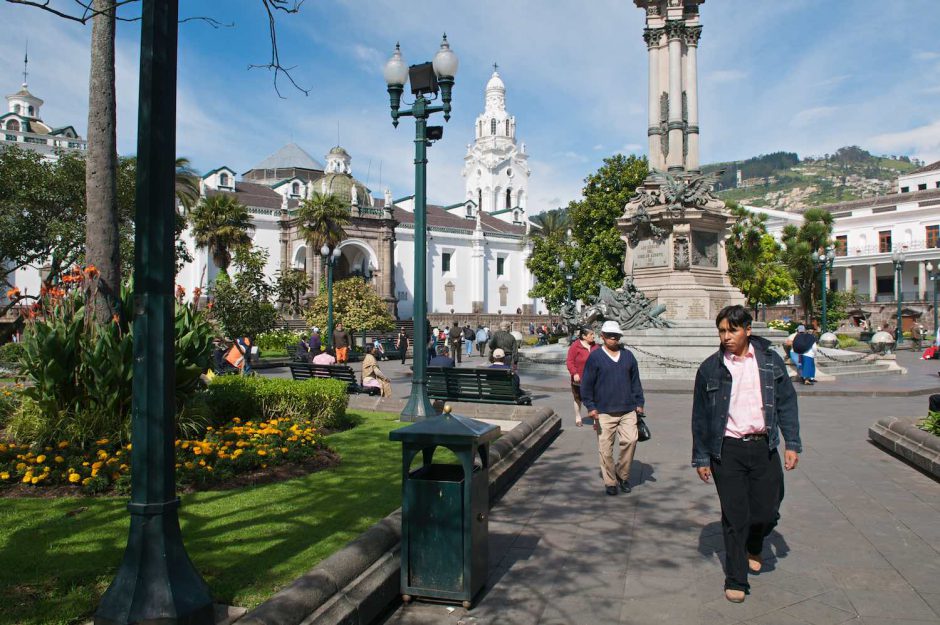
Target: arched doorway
[300, 258]
[358, 259]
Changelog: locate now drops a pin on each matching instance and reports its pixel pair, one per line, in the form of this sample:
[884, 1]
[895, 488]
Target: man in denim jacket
[743, 401]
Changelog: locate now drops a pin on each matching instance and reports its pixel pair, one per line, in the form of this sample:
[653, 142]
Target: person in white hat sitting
[612, 393]
[499, 362]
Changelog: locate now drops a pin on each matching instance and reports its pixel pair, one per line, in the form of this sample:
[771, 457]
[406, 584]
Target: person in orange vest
[341, 342]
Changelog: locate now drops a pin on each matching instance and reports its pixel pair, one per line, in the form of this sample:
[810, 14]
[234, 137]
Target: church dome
[341, 185]
[339, 151]
[495, 83]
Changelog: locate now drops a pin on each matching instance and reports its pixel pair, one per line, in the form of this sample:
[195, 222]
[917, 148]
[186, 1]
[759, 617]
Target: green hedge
[11, 353]
[253, 398]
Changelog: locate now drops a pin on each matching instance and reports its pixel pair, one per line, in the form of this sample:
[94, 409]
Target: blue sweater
[609, 386]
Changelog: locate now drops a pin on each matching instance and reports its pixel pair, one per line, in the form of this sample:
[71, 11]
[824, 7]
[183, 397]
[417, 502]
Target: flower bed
[224, 452]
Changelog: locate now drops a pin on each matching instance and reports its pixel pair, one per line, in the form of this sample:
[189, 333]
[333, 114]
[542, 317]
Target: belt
[749, 438]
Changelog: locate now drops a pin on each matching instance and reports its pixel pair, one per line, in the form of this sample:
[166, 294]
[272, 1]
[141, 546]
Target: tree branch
[285, 6]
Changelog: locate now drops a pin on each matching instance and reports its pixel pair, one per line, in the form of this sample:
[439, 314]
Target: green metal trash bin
[445, 508]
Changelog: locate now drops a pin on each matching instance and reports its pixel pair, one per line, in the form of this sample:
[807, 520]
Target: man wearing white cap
[613, 395]
[499, 362]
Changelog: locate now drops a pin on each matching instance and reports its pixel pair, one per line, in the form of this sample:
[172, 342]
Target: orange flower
[91, 271]
[14, 292]
[116, 318]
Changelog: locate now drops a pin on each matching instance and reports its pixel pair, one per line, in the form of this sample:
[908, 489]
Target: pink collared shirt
[745, 410]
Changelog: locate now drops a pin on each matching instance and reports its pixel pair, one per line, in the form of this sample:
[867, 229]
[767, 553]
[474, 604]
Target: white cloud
[926, 55]
[810, 116]
[631, 148]
[369, 59]
[922, 142]
[598, 147]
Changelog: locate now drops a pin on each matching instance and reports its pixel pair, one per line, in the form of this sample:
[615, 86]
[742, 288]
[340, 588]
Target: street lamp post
[426, 79]
[569, 276]
[898, 259]
[934, 276]
[824, 263]
[330, 257]
[156, 581]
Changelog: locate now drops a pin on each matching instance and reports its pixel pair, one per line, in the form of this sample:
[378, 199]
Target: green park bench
[343, 373]
[485, 386]
[390, 351]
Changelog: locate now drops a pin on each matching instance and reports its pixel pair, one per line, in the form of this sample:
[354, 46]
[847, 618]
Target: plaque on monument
[648, 253]
[704, 248]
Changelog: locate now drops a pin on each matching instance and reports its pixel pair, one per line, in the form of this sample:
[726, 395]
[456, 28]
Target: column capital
[675, 29]
[692, 35]
[652, 36]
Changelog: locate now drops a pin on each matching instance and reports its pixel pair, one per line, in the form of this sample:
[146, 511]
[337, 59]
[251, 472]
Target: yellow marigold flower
[20, 466]
[4, 475]
[85, 481]
[3, 448]
[94, 472]
[74, 477]
[189, 466]
[102, 454]
[63, 444]
[202, 463]
[47, 448]
[284, 450]
[236, 420]
[40, 458]
[209, 469]
[186, 445]
[35, 480]
[103, 441]
[96, 466]
[197, 450]
[262, 452]
[127, 447]
[264, 466]
[59, 459]
[27, 477]
[86, 463]
[123, 467]
[238, 452]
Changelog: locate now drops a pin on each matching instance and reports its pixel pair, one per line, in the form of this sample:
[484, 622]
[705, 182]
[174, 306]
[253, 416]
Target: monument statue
[626, 305]
[674, 226]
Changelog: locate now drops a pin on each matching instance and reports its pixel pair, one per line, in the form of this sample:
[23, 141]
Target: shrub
[11, 354]
[276, 340]
[252, 398]
[9, 401]
[846, 341]
[779, 324]
[931, 423]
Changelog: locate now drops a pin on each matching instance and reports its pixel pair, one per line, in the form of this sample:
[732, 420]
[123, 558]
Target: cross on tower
[495, 67]
[26, 64]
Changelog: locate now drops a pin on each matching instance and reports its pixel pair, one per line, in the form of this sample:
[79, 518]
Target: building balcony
[876, 249]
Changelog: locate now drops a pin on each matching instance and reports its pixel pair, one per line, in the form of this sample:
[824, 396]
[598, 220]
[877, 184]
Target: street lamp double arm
[898, 259]
[426, 79]
[823, 262]
[330, 258]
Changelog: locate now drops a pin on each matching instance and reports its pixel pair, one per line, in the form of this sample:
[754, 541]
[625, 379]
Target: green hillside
[783, 181]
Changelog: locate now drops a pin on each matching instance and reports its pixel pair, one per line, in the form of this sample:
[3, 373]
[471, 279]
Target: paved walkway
[858, 541]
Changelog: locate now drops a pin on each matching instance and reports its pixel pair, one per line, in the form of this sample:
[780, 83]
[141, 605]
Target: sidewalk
[858, 540]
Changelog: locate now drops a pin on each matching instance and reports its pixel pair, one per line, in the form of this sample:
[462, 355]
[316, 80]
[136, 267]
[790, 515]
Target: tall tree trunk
[102, 244]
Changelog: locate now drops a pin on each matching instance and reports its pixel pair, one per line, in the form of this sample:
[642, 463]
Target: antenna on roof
[337, 133]
[26, 64]
[369, 172]
[380, 174]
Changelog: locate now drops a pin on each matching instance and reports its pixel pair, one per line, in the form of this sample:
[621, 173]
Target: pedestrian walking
[743, 401]
[341, 342]
[468, 336]
[577, 356]
[504, 340]
[443, 359]
[612, 393]
[401, 343]
[455, 336]
[804, 344]
[482, 336]
[315, 344]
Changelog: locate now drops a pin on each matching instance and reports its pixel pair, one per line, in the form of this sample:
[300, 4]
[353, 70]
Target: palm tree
[322, 218]
[552, 223]
[221, 223]
[187, 184]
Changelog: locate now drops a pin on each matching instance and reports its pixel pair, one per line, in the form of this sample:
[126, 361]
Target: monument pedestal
[675, 232]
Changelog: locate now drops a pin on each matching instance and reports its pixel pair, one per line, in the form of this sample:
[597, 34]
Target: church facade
[477, 247]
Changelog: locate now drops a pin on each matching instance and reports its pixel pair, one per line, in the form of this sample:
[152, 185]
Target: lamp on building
[933, 276]
[426, 79]
[330, 258]
[898, 259]
[823, 263]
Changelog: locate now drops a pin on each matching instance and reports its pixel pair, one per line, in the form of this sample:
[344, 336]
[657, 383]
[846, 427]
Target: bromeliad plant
[79, 372]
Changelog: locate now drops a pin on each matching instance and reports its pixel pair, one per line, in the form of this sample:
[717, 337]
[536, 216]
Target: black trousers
[749, 479]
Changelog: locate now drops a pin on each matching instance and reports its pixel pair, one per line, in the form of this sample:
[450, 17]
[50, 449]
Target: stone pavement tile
[888, 603]
[580, 609]
[869, 620]
[861, 578]
[758, 603]
[920, 569]
[591, 579]
[778, 617]
[670, 608]
[819, 611]
[932, 599]
[803, 583]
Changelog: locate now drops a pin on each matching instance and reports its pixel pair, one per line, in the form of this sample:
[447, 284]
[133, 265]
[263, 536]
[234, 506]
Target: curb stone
[902, 437]
[360, 581]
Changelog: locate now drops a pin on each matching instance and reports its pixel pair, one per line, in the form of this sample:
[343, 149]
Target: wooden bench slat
[486, 385]
[343, 373]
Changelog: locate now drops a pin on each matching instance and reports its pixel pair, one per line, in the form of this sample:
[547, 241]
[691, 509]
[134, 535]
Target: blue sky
[803, 75]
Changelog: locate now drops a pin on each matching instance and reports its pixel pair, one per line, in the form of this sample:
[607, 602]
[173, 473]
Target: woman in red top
[578, 354]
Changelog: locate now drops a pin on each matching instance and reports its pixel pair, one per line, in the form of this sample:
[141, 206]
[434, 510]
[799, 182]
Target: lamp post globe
[396, 73]
[898, 258]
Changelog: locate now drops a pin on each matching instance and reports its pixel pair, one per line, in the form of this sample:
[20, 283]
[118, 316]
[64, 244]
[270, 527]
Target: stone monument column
[477, 269]
[692, 35]
[675, 31]
[652, 36]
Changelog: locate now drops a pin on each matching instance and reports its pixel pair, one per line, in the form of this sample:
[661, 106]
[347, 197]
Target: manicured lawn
[59, 555]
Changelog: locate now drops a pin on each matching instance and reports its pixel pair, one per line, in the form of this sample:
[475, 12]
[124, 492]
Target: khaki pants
[623, 424]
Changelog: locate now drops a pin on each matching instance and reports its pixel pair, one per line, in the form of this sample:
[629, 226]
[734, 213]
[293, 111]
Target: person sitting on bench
[444, 360]
[325, 358]
[499, 362]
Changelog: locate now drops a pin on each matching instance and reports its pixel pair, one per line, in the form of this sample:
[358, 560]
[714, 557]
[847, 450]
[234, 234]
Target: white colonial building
[477, 247]
[22, 125]
[867, 232]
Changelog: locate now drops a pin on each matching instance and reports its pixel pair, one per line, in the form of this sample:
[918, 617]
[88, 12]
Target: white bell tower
[495, 168]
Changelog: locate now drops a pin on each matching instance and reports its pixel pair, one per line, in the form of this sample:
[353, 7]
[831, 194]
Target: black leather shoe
[624, 486]
[611, 490]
